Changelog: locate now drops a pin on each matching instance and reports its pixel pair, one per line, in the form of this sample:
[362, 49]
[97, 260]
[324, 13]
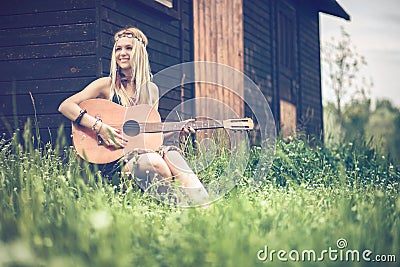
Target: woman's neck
[126, 72]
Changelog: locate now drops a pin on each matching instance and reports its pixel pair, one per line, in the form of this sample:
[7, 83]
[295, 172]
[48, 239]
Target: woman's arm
[70, 109]
[70, 106]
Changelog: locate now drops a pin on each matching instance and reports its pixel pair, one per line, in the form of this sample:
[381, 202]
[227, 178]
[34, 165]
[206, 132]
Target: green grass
[56, 212]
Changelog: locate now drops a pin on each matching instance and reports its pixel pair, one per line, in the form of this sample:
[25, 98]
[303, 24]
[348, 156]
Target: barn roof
[332, 7]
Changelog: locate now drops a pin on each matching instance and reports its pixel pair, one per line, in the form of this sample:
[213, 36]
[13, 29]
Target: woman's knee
[177, 163]
[152, 162]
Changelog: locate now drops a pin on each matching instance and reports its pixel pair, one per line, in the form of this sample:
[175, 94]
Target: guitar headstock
[239, 124]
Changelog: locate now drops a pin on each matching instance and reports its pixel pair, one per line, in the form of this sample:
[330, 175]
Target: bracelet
[95, 124]
[101, 125]
[79, 118]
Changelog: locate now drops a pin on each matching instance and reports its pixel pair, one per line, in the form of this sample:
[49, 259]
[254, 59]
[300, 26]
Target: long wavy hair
[141, 74]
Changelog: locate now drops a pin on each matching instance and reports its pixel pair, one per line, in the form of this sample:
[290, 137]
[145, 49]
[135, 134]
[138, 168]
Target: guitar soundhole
[131, 128]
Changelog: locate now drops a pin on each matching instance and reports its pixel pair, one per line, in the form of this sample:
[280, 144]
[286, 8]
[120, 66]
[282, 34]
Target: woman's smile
[123, 60]
[123, 50]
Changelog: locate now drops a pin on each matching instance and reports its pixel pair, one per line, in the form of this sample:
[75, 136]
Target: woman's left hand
[174, 138]
[187, 129]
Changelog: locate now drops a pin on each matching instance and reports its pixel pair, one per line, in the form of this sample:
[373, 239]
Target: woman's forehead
[123, 41]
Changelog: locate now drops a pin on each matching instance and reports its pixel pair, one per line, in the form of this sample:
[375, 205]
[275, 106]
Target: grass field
[317, 207]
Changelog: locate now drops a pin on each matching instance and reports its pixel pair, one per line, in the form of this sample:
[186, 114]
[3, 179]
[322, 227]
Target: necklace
[126, 80]
[132, 101]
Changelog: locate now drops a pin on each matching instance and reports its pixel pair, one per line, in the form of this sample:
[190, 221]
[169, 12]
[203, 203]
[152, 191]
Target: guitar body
[127, 120]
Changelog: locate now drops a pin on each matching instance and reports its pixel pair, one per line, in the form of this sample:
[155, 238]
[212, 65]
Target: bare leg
[189, 181]
[151, 163]
[151, 173]
[151, 168]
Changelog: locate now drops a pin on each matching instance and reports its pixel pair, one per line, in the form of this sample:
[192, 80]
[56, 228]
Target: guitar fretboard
[177, 126]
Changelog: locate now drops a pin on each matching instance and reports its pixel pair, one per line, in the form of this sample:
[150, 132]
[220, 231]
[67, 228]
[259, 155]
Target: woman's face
[123, 52]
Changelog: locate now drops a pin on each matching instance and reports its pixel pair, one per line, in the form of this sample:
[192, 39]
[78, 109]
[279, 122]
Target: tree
[342, 64]
[352, 119]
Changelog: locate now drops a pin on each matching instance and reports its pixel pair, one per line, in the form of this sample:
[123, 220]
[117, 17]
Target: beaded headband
[129, 35]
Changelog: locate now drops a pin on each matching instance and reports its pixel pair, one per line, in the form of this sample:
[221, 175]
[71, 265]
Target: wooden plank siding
[261, 60]
[47, 49]
[218, 37]
[310, 117]
[258, 48]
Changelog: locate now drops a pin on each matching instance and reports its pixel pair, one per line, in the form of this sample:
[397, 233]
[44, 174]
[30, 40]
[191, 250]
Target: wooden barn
[52, 49]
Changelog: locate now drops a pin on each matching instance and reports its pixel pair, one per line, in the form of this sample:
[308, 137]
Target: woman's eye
[129, 48]
[118, 49]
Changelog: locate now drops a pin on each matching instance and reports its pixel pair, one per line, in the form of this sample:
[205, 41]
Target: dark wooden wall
[47, 49]
[261, 56]
[310, 98]
[53, 49]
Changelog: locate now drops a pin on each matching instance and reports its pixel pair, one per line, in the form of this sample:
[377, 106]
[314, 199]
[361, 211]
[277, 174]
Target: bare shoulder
[154, 94]
[101, 86]
[102, 82]
[151, 84]
[153, 88]
[105, 80]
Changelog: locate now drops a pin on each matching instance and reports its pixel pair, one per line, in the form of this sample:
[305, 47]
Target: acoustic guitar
[140, 125]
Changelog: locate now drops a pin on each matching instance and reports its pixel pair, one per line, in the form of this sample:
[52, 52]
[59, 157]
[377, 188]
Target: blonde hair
[141, 73]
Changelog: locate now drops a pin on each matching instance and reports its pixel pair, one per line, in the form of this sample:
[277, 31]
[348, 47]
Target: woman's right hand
[111, 136]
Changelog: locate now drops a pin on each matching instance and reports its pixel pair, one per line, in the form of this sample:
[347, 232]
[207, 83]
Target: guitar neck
[177, 126]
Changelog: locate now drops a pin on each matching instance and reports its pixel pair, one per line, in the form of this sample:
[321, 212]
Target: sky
[374, 29]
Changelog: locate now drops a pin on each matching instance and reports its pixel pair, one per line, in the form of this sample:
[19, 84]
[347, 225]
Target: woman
[130, 84]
